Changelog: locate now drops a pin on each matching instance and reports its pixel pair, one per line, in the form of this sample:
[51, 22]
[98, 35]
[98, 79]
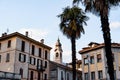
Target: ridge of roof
[63, 66]
[25, 37]
[98, 46]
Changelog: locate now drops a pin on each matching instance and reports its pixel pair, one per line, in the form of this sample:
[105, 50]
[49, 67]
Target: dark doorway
[31, 75]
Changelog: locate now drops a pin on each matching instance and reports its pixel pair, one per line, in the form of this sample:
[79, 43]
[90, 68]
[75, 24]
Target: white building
[94, 66]
[58, 70]
[25, 56]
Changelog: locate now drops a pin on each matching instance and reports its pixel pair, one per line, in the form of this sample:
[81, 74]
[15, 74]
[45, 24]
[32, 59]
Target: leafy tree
[71, 25]
[102, 8]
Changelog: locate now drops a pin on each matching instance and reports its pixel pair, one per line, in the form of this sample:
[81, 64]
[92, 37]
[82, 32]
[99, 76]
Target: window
[100, 75]
[39, 52]
[92, 59]
[41, 62]
[62, 75]
[45, 64]
[85, 61]
[9, 44]
[23, 46]
[86, 76]
[31, 75]
[92, 75]
[57, 54]
[115, 75]
[39, 77]
[45, 54]
[32, 61]
[99, 58]
[45, 77]
[33, 49]
[7, 57]
[22, 57]
[38, 62]
[0, 46]
[21, 72]
[0, 58]
[67, 76]
[113, 56]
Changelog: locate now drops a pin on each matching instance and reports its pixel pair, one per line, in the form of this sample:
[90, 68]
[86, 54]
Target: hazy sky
[39, 17]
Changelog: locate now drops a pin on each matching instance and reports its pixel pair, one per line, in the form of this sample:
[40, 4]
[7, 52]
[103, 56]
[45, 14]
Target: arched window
[21, 72]
[57, 54]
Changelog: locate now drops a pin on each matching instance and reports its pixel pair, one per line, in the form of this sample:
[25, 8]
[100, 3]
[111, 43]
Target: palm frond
[72, 21]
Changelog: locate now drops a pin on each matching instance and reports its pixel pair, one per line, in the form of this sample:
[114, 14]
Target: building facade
[60, 70]
[25, 56]
[94, 66]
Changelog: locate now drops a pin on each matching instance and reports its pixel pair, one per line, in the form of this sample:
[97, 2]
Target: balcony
[8, 75]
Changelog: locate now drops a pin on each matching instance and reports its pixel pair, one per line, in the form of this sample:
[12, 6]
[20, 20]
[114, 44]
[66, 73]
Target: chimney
[4, 34]
[26, 33]
[42, 40]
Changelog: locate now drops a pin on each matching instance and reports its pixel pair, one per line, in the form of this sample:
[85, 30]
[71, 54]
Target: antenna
[7, 30]
[30, 33]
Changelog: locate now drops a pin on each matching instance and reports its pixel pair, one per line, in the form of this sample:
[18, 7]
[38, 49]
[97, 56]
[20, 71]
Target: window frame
[32, 60]
[32, 75]
[9, 44]
[33, 50]
[62, 78]
[22, 57]
[46, 54]
[0, 45]
[68, 78]
[85, 61]
[45, 76]
[85, 76]
[0, 58]
[57, 55]
[46, 64]
[92, 60]
[23, 46]
[99, 58]
[21, 72]
[92, 75]
[40, 52]
[8, 57]
[100, 74]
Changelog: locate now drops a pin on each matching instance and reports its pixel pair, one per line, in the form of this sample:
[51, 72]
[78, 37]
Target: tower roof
[58, 43]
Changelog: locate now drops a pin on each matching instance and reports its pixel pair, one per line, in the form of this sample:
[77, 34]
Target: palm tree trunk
[73, 57]
[107, 41]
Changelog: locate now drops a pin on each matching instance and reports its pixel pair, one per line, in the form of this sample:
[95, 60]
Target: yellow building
[94, 65]
[25, 56]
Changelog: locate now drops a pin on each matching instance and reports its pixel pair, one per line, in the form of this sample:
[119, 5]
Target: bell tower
[58, 52]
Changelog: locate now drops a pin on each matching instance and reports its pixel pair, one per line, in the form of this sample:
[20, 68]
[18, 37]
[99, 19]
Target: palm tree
[102, 9]
[72, 21]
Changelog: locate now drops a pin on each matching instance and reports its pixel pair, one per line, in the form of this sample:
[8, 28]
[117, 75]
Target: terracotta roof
[98, 46]
[16, 34]
[77, 62]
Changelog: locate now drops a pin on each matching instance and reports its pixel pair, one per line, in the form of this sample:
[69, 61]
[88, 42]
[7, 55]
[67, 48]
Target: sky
[39, 18]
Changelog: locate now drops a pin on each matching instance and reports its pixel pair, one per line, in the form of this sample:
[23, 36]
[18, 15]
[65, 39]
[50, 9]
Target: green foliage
[98, 7]
[72, 21]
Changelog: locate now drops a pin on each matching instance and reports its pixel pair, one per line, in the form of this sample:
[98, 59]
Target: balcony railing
[8, 75]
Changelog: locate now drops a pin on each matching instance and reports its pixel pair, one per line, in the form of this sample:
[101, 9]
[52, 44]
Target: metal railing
[8, 75]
